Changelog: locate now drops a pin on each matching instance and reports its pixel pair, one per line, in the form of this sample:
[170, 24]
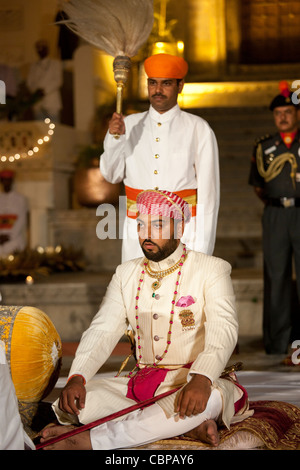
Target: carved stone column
[207, 41]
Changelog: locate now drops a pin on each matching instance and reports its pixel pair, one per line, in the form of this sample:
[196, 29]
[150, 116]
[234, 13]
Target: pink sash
[144, 383]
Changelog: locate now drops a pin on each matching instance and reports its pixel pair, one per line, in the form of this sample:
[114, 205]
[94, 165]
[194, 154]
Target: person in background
[168, 149]
[46, 76]
[13, 216]
[275, 176]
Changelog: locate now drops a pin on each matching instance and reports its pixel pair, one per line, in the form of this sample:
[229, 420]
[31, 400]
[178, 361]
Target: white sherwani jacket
[208, 346]
[173, 151]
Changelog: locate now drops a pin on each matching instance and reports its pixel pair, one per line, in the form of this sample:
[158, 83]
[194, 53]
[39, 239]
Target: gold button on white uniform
[155, 172]
[156, 155]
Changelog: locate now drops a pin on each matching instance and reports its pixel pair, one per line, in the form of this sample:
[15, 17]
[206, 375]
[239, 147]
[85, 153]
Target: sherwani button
[155, 316]
[156, 338]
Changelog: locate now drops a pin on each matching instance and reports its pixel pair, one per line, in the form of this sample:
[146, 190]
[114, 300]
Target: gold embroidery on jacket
[187, 319]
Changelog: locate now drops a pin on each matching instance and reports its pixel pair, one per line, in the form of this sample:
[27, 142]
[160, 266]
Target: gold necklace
[159, 275]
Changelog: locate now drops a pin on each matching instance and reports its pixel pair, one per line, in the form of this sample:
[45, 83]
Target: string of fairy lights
[33, 150]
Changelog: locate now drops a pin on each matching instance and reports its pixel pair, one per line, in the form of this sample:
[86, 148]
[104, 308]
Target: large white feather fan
[118, 27]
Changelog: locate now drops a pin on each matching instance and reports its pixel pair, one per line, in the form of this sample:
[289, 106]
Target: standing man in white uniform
[46, 75]
[180, 305]
[169, 149]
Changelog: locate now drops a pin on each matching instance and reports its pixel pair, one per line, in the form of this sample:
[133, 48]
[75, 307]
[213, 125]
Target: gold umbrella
[118, 27]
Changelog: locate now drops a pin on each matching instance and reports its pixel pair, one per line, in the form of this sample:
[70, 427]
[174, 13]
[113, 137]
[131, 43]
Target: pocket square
[185, 301]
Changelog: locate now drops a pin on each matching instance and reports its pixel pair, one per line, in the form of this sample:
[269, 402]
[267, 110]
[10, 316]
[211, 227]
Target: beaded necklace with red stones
[179, 265]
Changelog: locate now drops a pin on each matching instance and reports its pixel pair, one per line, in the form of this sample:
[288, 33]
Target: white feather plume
[118, 27]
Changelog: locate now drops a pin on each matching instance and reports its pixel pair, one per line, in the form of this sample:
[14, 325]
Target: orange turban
[166, 66]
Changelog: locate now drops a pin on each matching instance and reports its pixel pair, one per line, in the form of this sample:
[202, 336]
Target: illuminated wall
[206, 51]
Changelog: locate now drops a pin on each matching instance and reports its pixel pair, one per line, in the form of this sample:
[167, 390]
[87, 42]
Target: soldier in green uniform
[275, 176]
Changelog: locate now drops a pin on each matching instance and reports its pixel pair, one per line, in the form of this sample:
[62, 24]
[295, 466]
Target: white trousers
[149, 425]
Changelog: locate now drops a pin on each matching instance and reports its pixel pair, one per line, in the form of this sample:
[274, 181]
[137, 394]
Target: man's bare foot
[80, 441]
[206, 432]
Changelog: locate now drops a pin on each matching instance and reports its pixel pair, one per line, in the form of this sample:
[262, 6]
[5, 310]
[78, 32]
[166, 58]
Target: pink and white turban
[164, 203]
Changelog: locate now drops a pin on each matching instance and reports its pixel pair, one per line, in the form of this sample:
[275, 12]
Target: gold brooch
[187, 319]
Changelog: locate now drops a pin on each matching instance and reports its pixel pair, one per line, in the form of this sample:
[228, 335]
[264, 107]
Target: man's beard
[162, 253]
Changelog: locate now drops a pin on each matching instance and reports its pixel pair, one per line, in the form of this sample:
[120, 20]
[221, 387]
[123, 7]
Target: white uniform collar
[169, 261]
[164, 117]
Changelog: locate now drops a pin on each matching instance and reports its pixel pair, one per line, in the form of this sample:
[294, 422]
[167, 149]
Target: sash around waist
[7, 221]
[144, 383]
[189, 195]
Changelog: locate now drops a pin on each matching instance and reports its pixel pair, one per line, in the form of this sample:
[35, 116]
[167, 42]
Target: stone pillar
[233, 32]
[94, 85]
[207, 43]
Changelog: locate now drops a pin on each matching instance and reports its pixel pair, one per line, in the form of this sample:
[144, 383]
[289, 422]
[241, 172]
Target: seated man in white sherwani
[181, 307]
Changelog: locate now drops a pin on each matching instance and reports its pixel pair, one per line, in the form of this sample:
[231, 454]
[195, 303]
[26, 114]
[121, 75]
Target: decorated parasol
[117, 27]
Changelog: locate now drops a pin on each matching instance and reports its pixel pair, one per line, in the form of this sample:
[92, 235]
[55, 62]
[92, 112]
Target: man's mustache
[159, 95]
